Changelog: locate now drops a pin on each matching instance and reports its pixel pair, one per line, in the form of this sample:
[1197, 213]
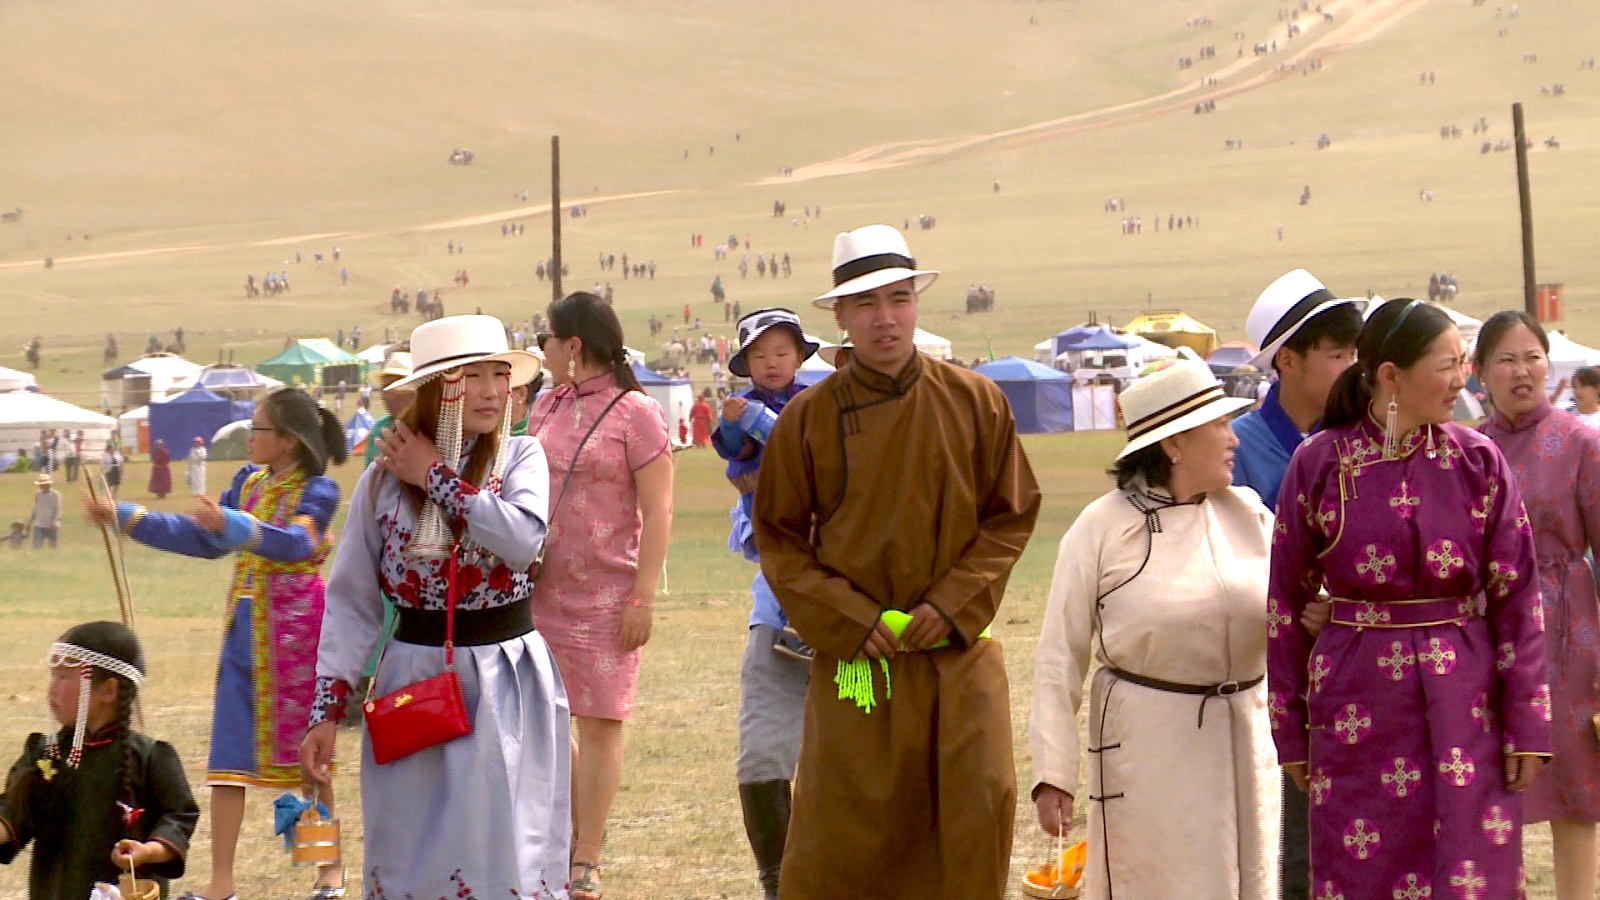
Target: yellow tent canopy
[1175, 328]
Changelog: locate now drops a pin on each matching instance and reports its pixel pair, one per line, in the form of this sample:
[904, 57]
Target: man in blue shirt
[1308, 336]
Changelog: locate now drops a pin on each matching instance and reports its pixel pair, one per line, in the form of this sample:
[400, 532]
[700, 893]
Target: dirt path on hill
[485, 219]
[1354, 22]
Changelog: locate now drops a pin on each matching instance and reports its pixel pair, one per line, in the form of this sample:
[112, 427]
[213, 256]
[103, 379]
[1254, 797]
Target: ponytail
[315, 427]
[1348, 400]
[625, 377]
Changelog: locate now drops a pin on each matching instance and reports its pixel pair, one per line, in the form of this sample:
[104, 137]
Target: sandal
[585, 887]
[331, 891]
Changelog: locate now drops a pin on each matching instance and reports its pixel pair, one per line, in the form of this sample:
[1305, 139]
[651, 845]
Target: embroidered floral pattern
[1398, 662]
[1277, 616]
[1321, 786]
[1399, 780]
[1412, 886]
[1353, 723]
[1497, 826]
[1444, 558]
[1457, 768]
[1439, 657]
[1321, 668]
[1403, 502]
[1378, 566]
[1361, 838]
[1467, 883]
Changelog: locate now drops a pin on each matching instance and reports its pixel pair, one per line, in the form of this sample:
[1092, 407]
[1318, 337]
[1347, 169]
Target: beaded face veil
[85, 661]
[433, 538]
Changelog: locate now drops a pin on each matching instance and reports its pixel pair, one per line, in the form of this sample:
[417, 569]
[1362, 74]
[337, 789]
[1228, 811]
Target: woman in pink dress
[609, 525]
[1556, 460]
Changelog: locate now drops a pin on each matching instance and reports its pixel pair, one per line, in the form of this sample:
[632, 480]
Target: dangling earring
[1391, 440]
[572, 367]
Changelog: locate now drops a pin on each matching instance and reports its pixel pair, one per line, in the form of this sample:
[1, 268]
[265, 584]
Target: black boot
[766, 821]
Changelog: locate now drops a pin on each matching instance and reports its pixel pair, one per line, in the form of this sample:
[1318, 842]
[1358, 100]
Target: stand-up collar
[1523, 421]
[895, 385]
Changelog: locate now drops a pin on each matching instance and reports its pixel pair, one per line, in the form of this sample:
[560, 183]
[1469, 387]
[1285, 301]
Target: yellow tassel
[854, 678]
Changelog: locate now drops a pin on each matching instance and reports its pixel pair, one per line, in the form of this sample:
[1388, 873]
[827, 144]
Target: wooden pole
[1530, 298]
[555, 217]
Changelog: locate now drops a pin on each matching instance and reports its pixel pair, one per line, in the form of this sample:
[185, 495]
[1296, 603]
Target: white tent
[932, 344]
[13, 380]
[23, 414]
[375, 355]
[128, 427]
[169, 374]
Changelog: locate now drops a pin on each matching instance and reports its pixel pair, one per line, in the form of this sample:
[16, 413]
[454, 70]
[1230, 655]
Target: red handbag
[424, 713]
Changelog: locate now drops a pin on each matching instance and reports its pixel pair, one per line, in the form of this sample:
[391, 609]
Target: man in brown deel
[896, 484]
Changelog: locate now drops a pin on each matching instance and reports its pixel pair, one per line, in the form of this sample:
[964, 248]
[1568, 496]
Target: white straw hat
[453, 341]
[871, 257]
[1180, 397]
[1291, 301]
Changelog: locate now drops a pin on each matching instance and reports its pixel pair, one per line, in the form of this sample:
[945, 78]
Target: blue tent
[193, 413]
[1101, 338]
[1060, 342]
[1040, 397]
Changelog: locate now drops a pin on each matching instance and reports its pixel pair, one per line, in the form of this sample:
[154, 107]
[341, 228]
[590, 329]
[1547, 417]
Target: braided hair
[29, 788]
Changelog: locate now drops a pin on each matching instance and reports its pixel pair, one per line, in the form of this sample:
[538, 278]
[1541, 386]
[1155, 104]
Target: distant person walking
[46, 520]
[160, 470]
[195, 471]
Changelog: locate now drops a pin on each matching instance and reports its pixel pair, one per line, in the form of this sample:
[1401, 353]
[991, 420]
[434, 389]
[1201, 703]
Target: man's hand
[880, 643]
[1316, 616]
[927, 628]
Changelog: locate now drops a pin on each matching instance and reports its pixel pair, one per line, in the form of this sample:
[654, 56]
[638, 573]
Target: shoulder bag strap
[573, 466]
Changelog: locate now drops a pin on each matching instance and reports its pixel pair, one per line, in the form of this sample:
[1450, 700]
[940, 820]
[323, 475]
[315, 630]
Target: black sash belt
[473, 626]
[1203, 691]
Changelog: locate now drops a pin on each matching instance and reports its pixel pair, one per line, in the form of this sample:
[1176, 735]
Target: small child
[774, 675]
[112, 798]
[18, 535]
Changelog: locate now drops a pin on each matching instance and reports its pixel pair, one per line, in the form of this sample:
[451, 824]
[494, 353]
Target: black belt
[473, 626]
[1204, 691]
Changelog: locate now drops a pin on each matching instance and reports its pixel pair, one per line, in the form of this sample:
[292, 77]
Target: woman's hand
[1055, 810]
[316, 754]
[636, 620]
[207, 513]
[1520, 771]
[406, 455]
[1316, 616]
[1300, 774]
[99, 512]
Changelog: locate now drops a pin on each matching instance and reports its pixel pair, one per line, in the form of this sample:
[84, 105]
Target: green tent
[315, 361]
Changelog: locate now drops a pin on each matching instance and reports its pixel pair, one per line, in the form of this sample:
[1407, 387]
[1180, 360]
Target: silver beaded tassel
[433, 539]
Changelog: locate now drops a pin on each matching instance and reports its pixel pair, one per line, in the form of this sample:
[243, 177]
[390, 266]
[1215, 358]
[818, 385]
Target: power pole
[555, 217]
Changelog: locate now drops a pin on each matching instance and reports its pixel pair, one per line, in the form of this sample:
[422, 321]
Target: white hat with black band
[1182, 396]
[870, 257]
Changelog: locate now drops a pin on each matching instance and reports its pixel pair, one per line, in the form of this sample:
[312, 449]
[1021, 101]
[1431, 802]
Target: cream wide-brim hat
[1287, 304]
[455, 341]
[1182, 396]
[870, 257]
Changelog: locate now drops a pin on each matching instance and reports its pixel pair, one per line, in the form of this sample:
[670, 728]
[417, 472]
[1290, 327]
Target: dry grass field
[161, 151]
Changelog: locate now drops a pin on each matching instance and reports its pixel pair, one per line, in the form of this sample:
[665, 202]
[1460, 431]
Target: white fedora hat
[758, 323]
[396, 367]
[454, 341]
[1291, 301]
[1172, 401]
[871, 257]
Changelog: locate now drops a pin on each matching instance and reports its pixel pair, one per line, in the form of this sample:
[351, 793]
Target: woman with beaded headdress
[275, 518]
[610, 518]
[94, 797]
[452, 515]
[1420, 713]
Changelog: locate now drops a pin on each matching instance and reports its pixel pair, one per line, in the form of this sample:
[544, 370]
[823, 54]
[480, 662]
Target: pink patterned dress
[1432, 669]
[1556, 459]
[592, 552]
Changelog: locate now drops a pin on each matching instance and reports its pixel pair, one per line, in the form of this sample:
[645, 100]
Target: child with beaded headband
[115, 799]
